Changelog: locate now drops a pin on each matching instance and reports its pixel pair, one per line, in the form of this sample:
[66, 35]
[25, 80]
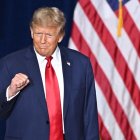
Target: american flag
[115, 61]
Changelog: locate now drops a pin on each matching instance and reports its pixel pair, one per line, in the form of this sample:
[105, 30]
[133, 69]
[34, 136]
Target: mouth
[44, 47]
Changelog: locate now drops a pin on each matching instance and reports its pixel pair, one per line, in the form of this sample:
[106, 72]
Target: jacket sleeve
[5, 79]
[90, 108]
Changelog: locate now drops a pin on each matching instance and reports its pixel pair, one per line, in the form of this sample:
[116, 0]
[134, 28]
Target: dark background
[15, 16]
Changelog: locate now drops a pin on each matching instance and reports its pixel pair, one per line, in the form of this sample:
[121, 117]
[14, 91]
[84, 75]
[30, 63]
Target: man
[26, 87]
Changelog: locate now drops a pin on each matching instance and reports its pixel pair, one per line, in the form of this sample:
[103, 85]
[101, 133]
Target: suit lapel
[66, 67]
[35, 77]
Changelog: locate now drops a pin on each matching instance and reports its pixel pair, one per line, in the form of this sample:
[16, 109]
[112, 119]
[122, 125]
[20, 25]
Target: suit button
[47, 122]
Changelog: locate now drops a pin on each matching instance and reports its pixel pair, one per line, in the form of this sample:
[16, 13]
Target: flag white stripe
[109, 120]
[133, 7]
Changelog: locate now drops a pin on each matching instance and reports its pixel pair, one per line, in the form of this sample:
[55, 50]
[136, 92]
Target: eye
[49, 35]
[38, 34]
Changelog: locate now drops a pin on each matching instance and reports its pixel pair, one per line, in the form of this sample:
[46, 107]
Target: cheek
[36, 40]
[51, 42]
[56, 41]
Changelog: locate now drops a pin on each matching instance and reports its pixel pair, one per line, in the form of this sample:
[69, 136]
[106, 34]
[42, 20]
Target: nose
[43, 38]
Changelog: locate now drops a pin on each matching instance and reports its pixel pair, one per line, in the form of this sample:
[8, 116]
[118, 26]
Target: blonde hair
[49, 17]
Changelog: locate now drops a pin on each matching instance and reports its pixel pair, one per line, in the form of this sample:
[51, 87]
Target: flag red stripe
[104, 134]
[104, 84]
[113, 50]
[132, 30]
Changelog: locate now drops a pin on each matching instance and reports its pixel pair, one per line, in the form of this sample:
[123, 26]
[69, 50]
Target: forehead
[52, 29]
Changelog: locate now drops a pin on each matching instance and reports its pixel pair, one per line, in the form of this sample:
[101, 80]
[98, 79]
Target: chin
[42, 53]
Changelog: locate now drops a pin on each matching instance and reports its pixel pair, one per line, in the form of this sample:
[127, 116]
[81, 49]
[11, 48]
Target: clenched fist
[19, 81]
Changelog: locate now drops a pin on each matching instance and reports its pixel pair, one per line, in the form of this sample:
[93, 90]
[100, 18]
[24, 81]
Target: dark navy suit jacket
[26, 115]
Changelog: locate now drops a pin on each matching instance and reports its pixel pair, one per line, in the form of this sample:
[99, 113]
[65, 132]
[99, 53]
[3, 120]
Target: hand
[19, 81]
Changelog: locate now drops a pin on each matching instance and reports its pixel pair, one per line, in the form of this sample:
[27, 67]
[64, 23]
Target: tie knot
[49, 61]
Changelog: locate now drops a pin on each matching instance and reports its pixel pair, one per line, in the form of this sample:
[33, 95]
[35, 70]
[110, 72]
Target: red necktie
[53, 102]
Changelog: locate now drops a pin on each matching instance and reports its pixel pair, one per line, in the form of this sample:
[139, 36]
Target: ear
[60, 38]
[31, 30]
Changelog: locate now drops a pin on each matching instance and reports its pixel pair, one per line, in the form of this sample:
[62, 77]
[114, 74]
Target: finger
[22, 86]
[17, 82]
[21, 76]
[22, 83]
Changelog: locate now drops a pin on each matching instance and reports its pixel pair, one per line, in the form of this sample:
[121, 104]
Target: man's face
[45, 39]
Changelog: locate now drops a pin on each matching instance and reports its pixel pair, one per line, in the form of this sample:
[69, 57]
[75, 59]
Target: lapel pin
[68, 63]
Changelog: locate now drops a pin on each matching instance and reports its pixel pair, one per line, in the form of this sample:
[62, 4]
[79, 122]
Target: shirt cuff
[10, 98]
